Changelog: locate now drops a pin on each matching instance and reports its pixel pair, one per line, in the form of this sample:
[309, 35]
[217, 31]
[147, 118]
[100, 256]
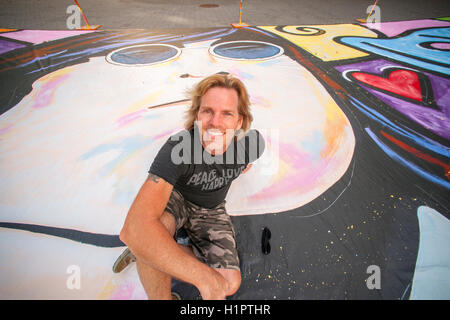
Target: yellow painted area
[335, 122]
[212, 59]
[107, 291]
[319, 39]
[333, 131]
[146, 102]
[57, 75]
[283, 171]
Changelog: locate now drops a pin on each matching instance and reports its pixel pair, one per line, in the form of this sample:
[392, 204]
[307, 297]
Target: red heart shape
[402, 82]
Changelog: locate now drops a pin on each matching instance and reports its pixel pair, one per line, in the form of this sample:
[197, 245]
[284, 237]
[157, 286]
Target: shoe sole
[123, 261]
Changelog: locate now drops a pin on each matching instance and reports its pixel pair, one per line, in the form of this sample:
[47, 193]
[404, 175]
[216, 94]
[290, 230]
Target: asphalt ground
[160, 14]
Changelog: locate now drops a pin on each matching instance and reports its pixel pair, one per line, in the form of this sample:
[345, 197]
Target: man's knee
[233, 278]
[234, 282]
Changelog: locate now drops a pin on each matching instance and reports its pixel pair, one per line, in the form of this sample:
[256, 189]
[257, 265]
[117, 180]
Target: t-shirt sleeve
[163, 165]
[251, 146]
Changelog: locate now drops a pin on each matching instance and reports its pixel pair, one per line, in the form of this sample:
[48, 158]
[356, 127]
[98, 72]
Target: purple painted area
[430, 119]
[398, 27]
[6, 46]
[38, 36]
[434, 120]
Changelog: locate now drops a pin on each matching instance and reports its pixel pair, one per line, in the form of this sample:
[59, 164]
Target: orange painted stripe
[419, 154]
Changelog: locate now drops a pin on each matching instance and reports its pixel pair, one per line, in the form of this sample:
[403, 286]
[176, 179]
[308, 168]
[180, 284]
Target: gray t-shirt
[200, 177]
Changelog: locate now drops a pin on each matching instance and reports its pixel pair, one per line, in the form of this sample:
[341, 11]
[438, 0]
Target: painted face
[128, 108]
[219, 119]
[77, 148]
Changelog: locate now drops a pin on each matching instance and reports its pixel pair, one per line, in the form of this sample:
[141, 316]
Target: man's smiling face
[218, 119]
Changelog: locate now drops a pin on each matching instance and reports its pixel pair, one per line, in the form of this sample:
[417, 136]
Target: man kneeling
[186, 187]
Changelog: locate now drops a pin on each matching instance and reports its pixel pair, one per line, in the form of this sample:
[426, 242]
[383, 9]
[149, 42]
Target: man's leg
[157, 284]
[212, 232]
[233, 278]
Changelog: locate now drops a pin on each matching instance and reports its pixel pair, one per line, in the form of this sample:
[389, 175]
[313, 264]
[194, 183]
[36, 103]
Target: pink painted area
[441, 45]
[303, 173]
[166, 134]
[261, 101]
[39, 36]
[5, 129]
[128, 118]
[45, 95]
[395, 28]
[124, 292]
[127, 291]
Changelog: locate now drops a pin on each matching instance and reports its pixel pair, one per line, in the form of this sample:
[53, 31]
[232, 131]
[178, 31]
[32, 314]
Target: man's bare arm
[247, 167]
[151, 242]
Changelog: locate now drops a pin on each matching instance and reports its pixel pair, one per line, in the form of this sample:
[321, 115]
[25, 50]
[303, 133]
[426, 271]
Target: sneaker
[123, 261]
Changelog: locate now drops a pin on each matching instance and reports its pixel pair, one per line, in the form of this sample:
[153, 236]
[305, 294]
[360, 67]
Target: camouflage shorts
[210, 231]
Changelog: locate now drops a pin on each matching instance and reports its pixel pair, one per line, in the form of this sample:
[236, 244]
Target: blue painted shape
[246, 50]
[412, 49]
[432, 273]
[125, 147]
[391, 153]
[144, 54]
[314, 144]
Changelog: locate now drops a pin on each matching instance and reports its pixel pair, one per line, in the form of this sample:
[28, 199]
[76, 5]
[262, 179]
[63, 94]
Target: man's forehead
[226, 98]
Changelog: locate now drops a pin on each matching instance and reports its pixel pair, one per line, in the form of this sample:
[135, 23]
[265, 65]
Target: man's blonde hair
[222, 81]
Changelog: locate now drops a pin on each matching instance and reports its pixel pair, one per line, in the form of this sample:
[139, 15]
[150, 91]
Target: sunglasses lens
[265, 241]
[266, 250]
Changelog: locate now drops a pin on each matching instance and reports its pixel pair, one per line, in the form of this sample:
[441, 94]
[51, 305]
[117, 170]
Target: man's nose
[215, 120]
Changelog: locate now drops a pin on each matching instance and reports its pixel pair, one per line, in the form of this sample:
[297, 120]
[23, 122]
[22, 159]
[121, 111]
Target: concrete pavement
[160, 14]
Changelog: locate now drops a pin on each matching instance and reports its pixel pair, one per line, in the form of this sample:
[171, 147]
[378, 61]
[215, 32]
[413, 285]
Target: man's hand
[215, 288]
[248, 167]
